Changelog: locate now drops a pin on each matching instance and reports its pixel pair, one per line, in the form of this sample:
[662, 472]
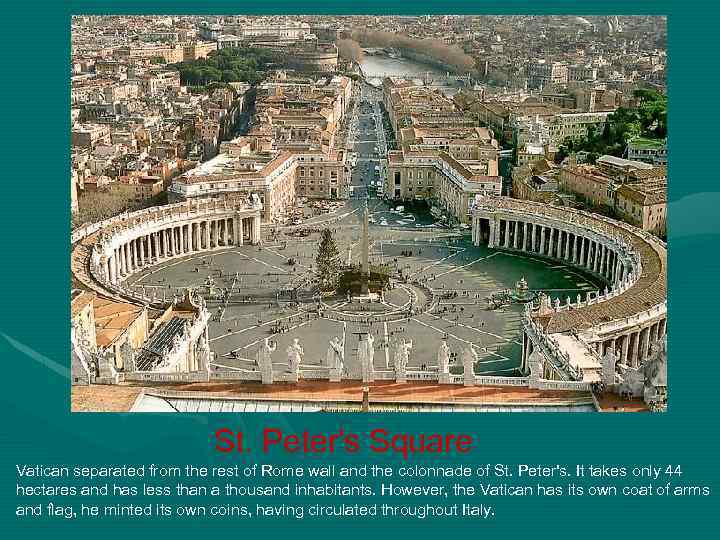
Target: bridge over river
[375, 68]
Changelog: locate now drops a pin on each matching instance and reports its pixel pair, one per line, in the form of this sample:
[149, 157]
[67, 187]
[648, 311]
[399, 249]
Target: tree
[350, 50]
[649, 120]
[328, 261]
[227, 65]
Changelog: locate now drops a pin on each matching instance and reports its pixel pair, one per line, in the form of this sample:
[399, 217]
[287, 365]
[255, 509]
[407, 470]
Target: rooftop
[112, 319]
[346, 395]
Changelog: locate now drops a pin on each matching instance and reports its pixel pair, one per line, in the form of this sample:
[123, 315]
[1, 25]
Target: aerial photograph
[361, 213]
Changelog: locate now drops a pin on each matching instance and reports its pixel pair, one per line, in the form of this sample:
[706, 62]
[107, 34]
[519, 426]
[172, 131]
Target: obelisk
[364, 263]
[365, 242]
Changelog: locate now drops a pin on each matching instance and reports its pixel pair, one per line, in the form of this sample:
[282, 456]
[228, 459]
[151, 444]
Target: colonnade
[576, 247]
[153, 244]
[634, 346]
[576, 239]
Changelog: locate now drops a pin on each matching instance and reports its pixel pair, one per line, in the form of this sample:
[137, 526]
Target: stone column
[645, 344]
[141, 251]
[598, 257]
[156, 246]
[609, 269]
[560, 244]
[603, 261]
[624, 349]
[615, 266]
[112, 272]
[207, 234]
[525, 236]
[566, 251]
[634, 347]
[582, 251]
[133, 254]
[576, 250]
[541, 249]
[241, 231]
[551, 243]
[182, 239]
[120, 261]
[256, 230]
[654, 331]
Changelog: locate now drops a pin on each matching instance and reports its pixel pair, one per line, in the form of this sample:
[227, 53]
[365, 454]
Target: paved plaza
[242, 286]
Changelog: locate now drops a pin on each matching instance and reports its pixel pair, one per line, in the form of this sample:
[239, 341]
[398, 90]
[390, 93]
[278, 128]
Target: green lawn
[642, 143]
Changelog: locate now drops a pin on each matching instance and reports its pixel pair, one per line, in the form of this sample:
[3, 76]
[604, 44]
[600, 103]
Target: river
[378, 65]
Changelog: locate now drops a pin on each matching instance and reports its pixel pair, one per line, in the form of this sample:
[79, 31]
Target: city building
[442, 157]
[289, 151]
[649, 150]
[541, 73]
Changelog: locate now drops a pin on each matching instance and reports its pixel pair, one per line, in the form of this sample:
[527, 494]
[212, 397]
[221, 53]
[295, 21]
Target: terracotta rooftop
[113, 318]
